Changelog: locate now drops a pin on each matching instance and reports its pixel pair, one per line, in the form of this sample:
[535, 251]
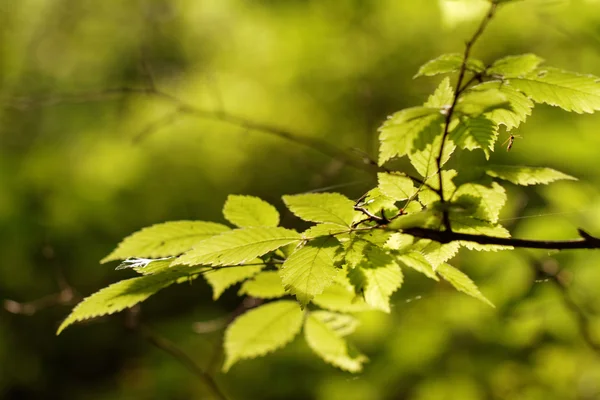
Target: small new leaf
[329, 344]
[265, 285]
[246, 211]
[322, 207]
[310, 269]
[419, 263]
[461, 282]
[447, 63]
[261, 331]
[238, 246]
[442, 97]
[526, 176]
[166, 239]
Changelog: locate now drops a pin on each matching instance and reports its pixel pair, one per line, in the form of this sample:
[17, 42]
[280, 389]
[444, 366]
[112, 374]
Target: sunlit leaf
[475, 226]
[220, 278]
[490, 199]
[326, 229]
[567, 90]
[166, 239]
[382, 277]
[329, 344]
[443, 95]
[322, 207]
[265, 285]
[310, 269]
[399, 187]
[425, 160]
[419, 263]
[513, 66]
[399, 133]
[261, 331]
[238, 246]
[475, 133]
[121, 295]
[447, 63]
[520, 105]
[245, 211]
[343, 298]
[436, 253]
[461, 282]
[526, 175]
[479, 100]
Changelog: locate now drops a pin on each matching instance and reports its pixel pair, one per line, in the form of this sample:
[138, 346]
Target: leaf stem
[458, 91]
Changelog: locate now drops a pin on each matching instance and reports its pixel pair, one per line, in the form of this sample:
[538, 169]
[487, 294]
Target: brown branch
[585, 242]
[170, 348]
[457, 92]
[551, 269]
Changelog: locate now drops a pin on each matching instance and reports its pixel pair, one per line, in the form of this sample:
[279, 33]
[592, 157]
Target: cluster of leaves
[352, 258]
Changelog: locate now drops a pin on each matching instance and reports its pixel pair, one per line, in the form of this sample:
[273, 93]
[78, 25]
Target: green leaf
[461, 282]
[399, 132]
[514, 66]
[520, 105]
[238, 246]
[329, 344]
[166, 239]
[322, 207]
[119, 296]
[265, 285]
[526, 176]
[340, 297]
[480, 99]
[442, 97]
[399, 241]
[436, 253]
[310, 269]
[354, 250]
[398, 187]
[261, 331]
[447, 63]
[567, 90]
[375, 201]
[246, 211]
[490, 199]
[447, 182]
[224, 277]
[475, 133]
[382, 277]
[425, 160]
[326, 229]
[419, 263]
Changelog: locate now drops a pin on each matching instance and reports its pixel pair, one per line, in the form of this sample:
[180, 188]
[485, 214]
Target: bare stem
[457, 92]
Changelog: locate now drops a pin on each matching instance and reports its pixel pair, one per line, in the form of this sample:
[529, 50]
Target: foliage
[354, 256]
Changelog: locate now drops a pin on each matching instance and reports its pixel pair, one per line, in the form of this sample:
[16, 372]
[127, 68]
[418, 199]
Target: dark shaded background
[84, 163]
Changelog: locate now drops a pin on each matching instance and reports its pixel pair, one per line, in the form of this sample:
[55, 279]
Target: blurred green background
[84, 163]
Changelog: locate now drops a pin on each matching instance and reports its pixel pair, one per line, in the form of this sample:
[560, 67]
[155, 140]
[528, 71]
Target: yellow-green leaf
[322, 207]
[166, 239]
[261, 331]
[246, 211]
[330, 345]
[265, 285]
[461, 282]
[238, 246]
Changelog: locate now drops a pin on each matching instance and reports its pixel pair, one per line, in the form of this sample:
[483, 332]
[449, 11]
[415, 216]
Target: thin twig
[170, 348]
[557, 276]
[457, 92]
